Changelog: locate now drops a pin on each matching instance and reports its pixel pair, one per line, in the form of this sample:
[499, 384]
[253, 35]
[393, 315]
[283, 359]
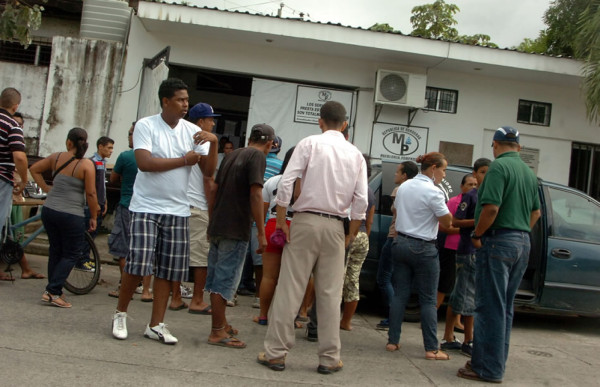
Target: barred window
[441, 100]
[534, 113]
[38, 53]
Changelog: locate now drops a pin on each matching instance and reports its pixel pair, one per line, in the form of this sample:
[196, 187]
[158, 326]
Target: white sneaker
[119, 325]
[160, 333]
[256, 304]
[139, 290]
[185, 291]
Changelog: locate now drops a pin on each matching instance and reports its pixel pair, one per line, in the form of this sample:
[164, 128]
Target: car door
[572, 281]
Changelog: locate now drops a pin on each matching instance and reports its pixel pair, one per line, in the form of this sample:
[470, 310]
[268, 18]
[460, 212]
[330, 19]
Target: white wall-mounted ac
[400, 89]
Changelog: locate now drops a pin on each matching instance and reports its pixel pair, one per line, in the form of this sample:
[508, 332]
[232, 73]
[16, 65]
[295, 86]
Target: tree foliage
[18, 20]
[587, 47]
[562, 18]
[383, 27]
[481, 39]
[435, 21]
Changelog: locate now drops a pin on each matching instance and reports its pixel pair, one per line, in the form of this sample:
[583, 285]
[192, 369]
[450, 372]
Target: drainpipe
[116, 87]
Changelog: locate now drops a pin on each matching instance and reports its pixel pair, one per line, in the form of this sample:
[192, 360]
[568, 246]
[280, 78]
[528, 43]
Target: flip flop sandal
[392, 347]
[438, 355]
[226, 342]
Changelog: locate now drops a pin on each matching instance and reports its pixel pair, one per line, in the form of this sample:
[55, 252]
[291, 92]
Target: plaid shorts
[159, 245]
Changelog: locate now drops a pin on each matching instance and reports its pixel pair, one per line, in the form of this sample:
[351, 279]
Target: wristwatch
[474, 236]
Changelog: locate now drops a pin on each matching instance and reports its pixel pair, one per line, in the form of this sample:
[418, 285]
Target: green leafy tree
[435, 20]
[538, 45]
[18, 20]
[481, 39]
[562, 18]
[587, 47]
[384, 27]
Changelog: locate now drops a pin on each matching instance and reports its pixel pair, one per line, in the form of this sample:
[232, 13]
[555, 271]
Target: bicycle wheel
[85, 275]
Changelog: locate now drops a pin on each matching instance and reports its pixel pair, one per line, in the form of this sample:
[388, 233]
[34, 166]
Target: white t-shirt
[195, 192]
[163, 192]
[418, 204]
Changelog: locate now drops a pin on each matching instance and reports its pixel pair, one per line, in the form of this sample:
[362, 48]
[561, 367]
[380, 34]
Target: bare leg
[469, 323]
[457, 322]
[258, 274]
[146, 293]
[176, 300]
[219, 322]
[269, 277]
[26, 271]
[162, 287]
[449, 327]
[349, 310]
[197, 302]
[440, 299]
[128, 284]
[309, 297]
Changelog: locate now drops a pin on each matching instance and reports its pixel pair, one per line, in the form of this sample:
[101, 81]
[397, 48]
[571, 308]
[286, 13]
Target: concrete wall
[31, 82]
[484, 102]
[81, 87]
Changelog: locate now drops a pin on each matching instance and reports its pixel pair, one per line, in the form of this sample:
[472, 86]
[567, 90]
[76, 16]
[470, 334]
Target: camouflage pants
[356, 256]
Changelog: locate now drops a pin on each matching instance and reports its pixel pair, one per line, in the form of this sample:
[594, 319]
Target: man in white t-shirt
[166, 147]
[202, 114]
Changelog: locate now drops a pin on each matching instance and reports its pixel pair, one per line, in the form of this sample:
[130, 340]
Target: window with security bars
[37, 53]
[441, 100]
[534, 113]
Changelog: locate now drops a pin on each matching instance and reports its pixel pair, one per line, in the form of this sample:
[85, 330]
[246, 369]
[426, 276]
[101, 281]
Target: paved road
[49, 346]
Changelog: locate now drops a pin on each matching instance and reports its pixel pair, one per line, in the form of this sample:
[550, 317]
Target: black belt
[501, 231]
[325, 215]
[417, 239]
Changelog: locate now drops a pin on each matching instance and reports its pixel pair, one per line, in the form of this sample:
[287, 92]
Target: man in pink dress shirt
[334, 178]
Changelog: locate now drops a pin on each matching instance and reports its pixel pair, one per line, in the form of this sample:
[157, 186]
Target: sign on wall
[531, 157]
[309, 100]
[396, 143]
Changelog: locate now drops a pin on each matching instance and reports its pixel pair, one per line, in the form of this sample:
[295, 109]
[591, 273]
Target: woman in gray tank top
[62, 215]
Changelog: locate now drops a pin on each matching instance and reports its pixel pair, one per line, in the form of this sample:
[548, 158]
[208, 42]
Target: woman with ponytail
[62, 214]
[421, 207]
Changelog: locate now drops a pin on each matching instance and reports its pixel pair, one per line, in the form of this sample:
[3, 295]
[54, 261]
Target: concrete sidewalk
[45, 345]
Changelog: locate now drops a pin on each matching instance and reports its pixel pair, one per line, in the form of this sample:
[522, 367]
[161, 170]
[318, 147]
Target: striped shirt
[273, 166]
[11, 140]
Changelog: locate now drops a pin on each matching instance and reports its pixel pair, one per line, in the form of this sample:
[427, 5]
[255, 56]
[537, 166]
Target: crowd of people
[189, 212]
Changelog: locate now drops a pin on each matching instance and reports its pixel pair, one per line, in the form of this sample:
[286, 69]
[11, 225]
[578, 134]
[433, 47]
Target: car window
[574, 216]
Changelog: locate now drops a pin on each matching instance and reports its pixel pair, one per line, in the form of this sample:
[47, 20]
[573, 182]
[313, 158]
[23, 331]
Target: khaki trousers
[316, 246]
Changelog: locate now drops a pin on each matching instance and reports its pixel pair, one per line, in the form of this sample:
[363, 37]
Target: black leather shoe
[312, 336]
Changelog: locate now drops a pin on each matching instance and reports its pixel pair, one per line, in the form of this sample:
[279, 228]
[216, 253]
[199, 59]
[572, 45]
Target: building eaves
[302, 20]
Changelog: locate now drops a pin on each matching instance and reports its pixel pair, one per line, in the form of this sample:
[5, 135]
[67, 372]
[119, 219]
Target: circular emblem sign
[400, 143]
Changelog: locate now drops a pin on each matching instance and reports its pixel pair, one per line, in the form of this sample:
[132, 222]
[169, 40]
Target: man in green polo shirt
[508, 206]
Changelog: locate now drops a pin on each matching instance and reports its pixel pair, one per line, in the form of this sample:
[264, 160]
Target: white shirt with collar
[419, 204]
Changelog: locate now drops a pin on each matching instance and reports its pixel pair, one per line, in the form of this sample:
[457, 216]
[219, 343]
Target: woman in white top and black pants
[421, 207]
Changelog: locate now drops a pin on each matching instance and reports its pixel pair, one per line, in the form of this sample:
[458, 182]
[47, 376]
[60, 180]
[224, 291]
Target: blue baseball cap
[507, 133]
[276, 145]
[202, 110]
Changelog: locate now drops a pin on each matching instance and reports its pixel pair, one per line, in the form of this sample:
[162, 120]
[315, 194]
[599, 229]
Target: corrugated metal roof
[185, 4]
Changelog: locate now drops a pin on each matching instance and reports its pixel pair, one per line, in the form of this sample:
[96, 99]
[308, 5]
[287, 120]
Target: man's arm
[369, 221]
[115, 178]
[462, 223]
[208, 163]
[20, 160]
[445, 221]
[256, 206]
[147, 163]
[354, 225]
[533, 218]
[486, 219]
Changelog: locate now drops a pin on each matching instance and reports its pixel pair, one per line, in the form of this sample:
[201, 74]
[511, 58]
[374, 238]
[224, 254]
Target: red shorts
[270, 229]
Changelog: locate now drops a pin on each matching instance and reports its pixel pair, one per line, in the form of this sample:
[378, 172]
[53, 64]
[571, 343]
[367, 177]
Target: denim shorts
[462, 299]
[118, 240]
[225, 262]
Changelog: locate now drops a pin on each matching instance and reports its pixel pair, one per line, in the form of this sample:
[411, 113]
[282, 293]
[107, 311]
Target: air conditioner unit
[400, 89]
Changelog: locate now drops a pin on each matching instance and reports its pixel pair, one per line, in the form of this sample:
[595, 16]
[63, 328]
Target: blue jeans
[225, 261]
[501, 263]
[6, 191]
[418, 260]
[384, 273]
[65, 234]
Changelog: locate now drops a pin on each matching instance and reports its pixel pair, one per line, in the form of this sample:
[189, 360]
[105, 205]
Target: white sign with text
[397, 143]
[309, 100]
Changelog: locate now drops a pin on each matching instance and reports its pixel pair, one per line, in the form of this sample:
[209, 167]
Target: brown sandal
[58, 301]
